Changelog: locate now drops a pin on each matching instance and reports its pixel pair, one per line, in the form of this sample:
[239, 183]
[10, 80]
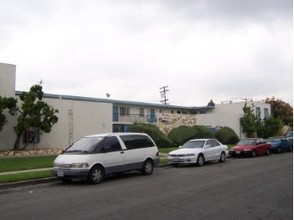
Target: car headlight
[79, 165]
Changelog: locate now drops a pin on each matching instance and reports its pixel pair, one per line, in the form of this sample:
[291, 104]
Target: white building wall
[229, 115]
[7, 80]
[75, 120]
[7, 89]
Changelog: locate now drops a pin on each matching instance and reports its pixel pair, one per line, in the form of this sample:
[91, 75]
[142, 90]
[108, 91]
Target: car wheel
[200, 160]
[268, 151]
[222, 157]
[175, 165]
[148, 167]
[96, 175]
[291, 149]
[279, 150]
[254, 153]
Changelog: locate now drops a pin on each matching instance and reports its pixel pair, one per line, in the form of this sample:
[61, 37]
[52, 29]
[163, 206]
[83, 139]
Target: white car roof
[115, 134]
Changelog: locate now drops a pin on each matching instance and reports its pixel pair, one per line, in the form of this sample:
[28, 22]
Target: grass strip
[25, 163]
[25, 176]
[167, 149]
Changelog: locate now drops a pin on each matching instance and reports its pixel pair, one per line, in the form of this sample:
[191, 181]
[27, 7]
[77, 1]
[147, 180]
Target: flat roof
[121, 102]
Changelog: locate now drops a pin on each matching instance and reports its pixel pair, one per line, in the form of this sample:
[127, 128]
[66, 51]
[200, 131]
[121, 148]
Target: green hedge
[226, 135]
[153, 131]
[182, 134]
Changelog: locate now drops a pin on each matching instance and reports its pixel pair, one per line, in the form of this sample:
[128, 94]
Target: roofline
[121, 102]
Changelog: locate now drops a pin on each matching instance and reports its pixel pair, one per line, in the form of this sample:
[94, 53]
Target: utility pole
[163, 91]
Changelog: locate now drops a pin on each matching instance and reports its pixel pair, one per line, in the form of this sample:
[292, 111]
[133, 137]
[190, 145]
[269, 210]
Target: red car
[251, 147]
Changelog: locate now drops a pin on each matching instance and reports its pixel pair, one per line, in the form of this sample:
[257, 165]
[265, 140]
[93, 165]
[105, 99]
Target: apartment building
[80, 116]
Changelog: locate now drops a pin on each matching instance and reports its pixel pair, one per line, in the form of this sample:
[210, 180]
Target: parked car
[289, 135]
[251, 147]
[93, 157]
[280, 144]
[198, 151]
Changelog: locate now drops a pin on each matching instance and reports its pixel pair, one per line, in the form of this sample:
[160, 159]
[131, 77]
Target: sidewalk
[25, 171]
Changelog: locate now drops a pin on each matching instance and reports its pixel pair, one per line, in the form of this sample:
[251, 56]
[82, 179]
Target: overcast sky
[201, 49]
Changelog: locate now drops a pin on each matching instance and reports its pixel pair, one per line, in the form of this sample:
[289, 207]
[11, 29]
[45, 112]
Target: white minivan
[92, 157]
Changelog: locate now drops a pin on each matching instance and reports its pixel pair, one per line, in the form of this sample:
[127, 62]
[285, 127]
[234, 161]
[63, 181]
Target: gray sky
[201, 49]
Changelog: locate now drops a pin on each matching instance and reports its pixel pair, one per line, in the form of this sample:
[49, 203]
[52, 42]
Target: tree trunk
[18, 140]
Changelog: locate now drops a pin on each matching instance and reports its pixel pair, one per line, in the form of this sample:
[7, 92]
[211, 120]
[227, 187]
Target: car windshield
[193, 144]
[274, 139]
[290, 134]
[247, 142]
[84, 145]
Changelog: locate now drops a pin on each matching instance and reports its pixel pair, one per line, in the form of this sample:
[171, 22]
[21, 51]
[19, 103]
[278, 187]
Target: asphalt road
[247, 188]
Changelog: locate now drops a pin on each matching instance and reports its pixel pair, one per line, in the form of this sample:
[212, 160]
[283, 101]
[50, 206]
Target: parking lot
[241, 188]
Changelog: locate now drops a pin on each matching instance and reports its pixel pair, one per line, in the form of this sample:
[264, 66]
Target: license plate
[175, 160]
[238, 152]
[60, 173]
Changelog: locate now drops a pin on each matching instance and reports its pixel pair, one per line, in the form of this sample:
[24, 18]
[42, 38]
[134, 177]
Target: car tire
[268, 152]
[279, 150]
[291, 149]
[253, 153]
[174, 165]
[222, 157]
[200, 160]
[148, 166]
[96, 175]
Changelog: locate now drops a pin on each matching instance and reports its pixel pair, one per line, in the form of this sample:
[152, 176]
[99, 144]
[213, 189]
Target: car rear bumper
[240, 153]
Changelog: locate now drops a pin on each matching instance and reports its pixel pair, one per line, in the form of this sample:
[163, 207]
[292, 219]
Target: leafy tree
[282, 110]
[6, 104]
[34, 113]
[249, 121]
[271, 126]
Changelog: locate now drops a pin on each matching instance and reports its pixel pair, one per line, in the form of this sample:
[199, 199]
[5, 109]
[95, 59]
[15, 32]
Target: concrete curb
[27, 183]
[12, 185]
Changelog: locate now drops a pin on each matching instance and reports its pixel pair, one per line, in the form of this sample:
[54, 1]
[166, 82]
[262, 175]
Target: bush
[202, 132]
[182, 134]
[153, 131]
[226, 135]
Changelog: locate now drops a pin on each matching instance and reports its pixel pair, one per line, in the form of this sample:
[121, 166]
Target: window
[257, 112]
[266, 114]
[124, 111]
[215, 143]
[111, 144]
[141, 113]
[152, 117]
[32, 135]
[136, 141]
[115, 113]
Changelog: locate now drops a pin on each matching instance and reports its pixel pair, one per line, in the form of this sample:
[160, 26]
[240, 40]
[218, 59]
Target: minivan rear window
[136, 141]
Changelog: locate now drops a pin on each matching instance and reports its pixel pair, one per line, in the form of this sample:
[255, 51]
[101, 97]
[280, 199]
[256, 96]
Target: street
[241, 188]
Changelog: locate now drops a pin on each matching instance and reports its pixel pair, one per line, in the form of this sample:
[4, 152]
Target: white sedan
[198, 151]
